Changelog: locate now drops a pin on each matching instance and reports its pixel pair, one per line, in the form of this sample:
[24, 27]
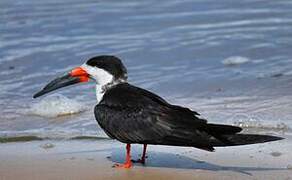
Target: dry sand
[91, 159]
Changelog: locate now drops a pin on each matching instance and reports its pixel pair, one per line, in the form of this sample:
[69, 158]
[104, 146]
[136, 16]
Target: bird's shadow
[177, 161]
[173, 160]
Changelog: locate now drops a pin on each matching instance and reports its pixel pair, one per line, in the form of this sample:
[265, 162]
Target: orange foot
[126, 165]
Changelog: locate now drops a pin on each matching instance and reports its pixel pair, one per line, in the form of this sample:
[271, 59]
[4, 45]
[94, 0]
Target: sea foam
[55, 106]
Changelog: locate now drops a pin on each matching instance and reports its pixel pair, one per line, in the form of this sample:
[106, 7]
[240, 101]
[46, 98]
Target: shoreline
[93, 159]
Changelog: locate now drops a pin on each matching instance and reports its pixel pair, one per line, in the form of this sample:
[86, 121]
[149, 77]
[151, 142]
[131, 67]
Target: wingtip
[277, 138]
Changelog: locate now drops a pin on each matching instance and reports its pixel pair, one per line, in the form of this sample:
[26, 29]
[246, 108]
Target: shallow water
[230, 61]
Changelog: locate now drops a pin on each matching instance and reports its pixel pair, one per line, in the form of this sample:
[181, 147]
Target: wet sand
[92, 159]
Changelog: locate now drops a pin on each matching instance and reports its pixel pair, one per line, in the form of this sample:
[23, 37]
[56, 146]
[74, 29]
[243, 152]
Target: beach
[93, 159]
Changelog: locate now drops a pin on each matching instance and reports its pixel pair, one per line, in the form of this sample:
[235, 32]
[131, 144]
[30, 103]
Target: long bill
[77, 75]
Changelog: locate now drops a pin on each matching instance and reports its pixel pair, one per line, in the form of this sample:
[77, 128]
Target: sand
[92, 159]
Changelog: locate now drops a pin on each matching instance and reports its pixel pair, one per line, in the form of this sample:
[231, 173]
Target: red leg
[128, 163]
[142, 160]
[144, 154]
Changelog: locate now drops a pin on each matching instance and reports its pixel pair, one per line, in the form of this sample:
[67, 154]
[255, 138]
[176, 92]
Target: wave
[235, 60]
[55, 106]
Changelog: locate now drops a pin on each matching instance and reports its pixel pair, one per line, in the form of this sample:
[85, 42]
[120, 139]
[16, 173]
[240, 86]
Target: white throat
[102, 78]
[99, 91]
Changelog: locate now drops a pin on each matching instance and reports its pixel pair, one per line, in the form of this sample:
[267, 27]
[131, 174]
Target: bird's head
[105, 70]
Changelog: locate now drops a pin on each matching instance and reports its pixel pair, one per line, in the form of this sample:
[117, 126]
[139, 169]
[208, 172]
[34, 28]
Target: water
[177, 49]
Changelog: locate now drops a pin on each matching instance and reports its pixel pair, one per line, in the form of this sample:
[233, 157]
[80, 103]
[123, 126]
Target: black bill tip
[38, 94]
[57, 83]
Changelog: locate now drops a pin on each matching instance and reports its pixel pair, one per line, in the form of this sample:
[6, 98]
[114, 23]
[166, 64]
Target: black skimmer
[133, 115]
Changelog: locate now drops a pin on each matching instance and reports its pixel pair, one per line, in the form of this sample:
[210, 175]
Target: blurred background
[228, 60]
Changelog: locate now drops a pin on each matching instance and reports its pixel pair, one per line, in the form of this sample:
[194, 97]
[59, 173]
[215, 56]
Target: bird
[134, 115]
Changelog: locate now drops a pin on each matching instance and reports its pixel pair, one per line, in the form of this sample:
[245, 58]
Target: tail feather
[243, 139]
[227, 135]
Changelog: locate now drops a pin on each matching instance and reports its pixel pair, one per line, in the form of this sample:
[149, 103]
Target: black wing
[134, 115]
